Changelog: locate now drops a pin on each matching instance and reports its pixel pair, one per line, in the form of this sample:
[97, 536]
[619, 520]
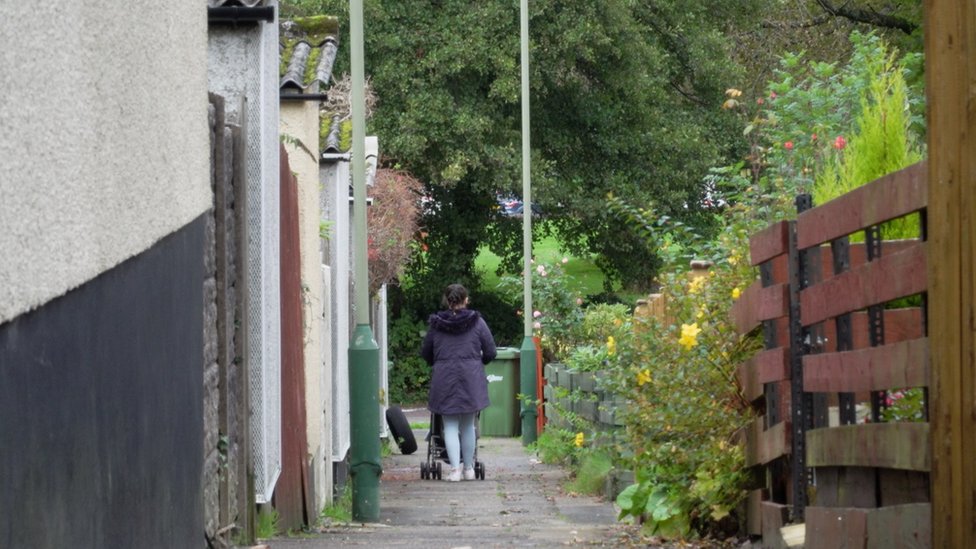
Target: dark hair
[454, 296]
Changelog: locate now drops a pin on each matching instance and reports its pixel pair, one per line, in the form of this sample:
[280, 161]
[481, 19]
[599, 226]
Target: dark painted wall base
[101, 429]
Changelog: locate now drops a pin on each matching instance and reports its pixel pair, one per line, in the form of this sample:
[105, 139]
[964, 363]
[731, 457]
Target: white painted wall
[243, 63]
[103, 138]
[335, 210]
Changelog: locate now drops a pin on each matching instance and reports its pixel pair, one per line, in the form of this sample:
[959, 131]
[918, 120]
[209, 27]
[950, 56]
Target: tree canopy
[625, 100]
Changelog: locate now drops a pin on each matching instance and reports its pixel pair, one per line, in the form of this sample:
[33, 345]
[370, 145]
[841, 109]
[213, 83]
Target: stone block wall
[228, 503]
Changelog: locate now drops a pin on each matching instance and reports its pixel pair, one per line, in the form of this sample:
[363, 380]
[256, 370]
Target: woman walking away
[458, 344]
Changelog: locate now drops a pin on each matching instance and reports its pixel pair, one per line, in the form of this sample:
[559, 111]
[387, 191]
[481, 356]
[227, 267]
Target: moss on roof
[312, 30]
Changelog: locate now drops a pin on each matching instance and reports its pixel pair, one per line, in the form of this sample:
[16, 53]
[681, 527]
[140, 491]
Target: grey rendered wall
[104, 141]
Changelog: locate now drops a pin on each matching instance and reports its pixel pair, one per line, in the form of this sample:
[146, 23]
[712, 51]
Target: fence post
[950, 75]
[802, 406]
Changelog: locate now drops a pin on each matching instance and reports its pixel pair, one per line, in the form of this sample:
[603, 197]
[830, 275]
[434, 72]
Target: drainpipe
[364, 353]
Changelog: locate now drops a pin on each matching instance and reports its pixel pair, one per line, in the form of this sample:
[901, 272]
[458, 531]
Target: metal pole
[364, 353]
[527, 360]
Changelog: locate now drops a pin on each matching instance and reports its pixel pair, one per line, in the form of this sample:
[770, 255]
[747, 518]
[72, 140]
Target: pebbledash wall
[104, 186]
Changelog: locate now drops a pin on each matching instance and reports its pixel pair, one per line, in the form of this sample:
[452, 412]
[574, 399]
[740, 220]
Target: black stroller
[437, 452]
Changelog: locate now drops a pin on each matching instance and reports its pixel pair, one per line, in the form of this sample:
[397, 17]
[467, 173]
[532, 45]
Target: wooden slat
[857, 254]
[754, 512]
[891, 277]
[891, 445]
[774, 516]
[836, 528]
[765, 367]
[899, 325]
[903, 526]
[769, 242]
[758, 304]
[895, 366]
[846, 487]
[889, 197]
[901, 487]
[765, 446]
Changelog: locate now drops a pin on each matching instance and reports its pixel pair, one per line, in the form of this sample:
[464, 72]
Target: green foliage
[622, 97]
[904, 405]
[267, 523]
[592, 472]
[557, 306]
[679, 379]
[882, 142]
[409, 377]
[556, 446]
[340, 510]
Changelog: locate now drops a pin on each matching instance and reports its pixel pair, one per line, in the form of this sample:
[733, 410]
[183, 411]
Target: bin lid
[507, 353]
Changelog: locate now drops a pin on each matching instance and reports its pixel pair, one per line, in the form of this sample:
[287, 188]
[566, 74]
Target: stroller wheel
[437, 467]
[424, 472]
[479, 470]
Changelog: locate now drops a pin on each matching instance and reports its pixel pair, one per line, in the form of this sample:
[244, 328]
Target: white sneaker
[469, 474]
[454, 475]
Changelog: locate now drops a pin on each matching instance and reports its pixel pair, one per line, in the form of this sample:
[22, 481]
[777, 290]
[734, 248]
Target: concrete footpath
[521, 503]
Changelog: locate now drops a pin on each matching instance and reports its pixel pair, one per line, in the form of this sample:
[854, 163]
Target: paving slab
[521, 503]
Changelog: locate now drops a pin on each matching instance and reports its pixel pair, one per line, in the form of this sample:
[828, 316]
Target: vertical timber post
[364, 353]
[801, 403]
[950, 83]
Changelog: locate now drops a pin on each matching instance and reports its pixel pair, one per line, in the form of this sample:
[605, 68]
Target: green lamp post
[527, 360]
[364, 354]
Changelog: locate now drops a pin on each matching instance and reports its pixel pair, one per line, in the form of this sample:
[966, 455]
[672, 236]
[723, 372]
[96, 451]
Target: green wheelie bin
[501, 417]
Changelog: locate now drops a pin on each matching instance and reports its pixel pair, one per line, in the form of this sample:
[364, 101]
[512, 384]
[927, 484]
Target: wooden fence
[840, 337]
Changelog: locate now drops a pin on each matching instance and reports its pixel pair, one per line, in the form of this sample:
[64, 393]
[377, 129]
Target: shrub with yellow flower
[689, 335]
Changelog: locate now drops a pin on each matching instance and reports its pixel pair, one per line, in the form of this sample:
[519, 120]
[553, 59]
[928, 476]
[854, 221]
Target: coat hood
[453, 322]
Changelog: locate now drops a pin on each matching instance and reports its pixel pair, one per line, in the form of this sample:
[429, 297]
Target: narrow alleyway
[520, 503]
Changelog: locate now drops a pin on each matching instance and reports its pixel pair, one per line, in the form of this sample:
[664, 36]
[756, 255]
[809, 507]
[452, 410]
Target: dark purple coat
[458, 344]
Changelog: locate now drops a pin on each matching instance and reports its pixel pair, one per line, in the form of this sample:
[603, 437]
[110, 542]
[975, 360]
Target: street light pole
[527, 360]
[364, 353]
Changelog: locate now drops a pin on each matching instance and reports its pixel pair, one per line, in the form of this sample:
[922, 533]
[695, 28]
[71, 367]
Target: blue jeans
[459, 429]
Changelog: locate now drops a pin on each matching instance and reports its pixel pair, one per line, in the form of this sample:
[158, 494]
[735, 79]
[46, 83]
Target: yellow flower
[701, 313]
[733, 260]
[696, 285]
[643, 376]
[689, 335]
[611, 346]
[736, 293]
[578, 440]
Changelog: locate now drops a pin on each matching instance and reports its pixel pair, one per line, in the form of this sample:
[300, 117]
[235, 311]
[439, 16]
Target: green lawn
[585, 275]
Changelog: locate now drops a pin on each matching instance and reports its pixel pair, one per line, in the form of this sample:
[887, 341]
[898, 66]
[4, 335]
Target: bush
[557, 308]
[410, 375]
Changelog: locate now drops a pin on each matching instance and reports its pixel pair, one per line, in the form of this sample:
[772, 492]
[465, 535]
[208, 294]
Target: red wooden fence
[835, 346]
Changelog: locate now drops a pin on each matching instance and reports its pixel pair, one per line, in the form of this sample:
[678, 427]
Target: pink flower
[565, 260]
[579, 300]
[772, 95]
[788, 145]
[840, 142]
[537, 325]
[759, 101]
[540, 269]
[536, 314]
[813, 137]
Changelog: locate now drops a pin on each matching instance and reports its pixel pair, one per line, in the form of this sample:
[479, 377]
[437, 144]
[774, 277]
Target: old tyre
[400, 429]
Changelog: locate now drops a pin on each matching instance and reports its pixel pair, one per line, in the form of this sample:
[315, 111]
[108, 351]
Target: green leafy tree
[623, 99]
